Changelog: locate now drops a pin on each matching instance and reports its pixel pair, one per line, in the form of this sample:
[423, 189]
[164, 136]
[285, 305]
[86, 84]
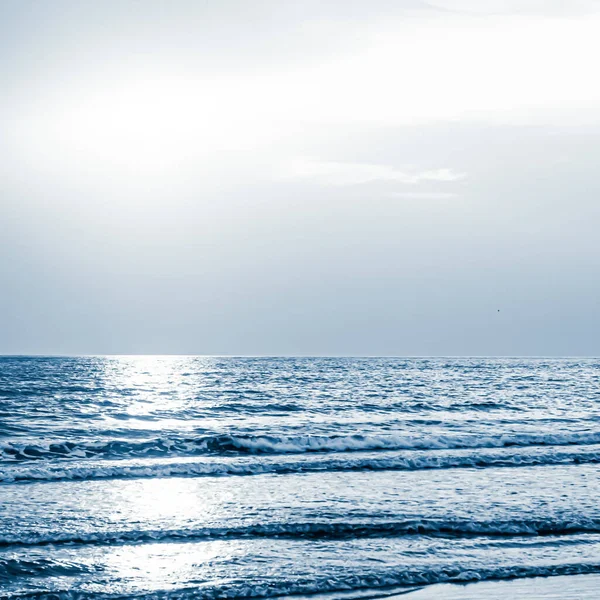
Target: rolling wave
[321, 530]
[382, 583]
[264, 444]
[408, 461]
[41, 567]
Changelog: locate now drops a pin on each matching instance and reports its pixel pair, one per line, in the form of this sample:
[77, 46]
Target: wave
[42, 567]
[322, 530]
[409, 461]
[265, 444]
[386, 582]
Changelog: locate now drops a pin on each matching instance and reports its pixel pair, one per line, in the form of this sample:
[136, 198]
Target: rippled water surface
[233, 477]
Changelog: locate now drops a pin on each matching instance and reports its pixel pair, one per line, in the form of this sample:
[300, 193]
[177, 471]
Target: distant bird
[498, 310]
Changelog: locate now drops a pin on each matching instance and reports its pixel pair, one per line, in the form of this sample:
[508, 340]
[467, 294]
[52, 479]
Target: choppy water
[232, 477]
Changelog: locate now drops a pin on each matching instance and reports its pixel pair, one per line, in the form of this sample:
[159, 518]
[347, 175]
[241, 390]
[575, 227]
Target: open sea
[207, 477]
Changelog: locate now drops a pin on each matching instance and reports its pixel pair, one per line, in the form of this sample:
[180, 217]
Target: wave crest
[324, 530]
[384, 582]
[247, 466]
[266, 444]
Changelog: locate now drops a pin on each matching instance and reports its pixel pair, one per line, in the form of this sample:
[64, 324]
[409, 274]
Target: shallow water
[232, 477]
[578, 587]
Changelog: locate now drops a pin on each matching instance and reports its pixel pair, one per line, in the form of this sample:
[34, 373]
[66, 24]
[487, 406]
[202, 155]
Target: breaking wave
[322, 530]
[264, 444]
[408, 461]
[382, 583]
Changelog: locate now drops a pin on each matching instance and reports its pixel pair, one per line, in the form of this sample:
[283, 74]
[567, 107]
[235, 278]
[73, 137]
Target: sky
[332, 177]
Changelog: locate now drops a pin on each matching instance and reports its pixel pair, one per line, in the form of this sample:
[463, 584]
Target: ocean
[222, 477]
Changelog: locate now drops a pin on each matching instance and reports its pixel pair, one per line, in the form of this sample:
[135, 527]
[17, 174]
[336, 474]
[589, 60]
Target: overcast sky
[315, 177]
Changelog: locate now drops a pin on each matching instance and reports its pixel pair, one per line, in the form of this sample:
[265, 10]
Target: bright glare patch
[146, 128]
[147, 125]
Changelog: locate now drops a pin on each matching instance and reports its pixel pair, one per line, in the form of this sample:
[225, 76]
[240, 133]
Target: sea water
[209, 477]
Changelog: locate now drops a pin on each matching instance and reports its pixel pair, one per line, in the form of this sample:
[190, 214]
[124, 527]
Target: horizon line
[403, 356]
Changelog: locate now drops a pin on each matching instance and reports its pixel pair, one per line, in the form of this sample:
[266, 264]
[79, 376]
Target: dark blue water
[185, 477]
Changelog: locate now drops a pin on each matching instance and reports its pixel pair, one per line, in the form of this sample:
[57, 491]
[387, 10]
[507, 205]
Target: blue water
[201, 477]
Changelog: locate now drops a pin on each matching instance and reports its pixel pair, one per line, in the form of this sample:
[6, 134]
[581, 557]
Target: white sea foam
[321, 530]
[409, 460]
[379, 582]
[293, 444]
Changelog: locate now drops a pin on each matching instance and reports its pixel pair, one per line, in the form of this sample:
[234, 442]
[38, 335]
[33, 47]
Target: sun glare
[144, 127]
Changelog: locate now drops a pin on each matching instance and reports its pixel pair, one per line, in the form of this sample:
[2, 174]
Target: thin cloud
[424, 195]
[347, 173]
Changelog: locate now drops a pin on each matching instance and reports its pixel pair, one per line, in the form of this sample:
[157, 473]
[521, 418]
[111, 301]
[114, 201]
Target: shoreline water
[563, 587]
